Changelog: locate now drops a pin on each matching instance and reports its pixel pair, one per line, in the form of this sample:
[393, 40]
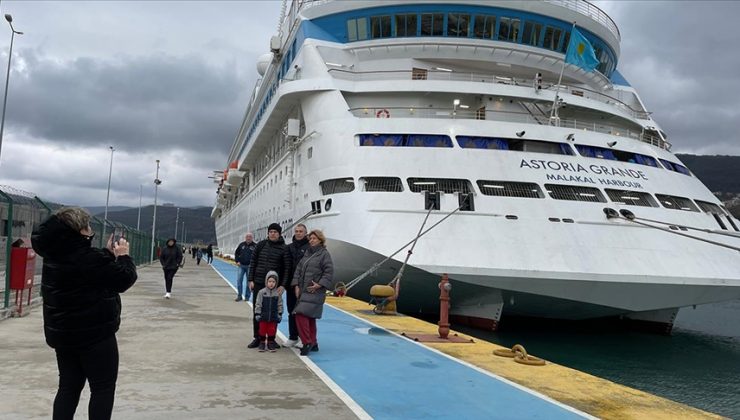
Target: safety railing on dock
[22, 211]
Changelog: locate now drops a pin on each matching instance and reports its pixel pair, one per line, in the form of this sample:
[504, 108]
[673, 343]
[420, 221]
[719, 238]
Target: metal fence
[21, 212]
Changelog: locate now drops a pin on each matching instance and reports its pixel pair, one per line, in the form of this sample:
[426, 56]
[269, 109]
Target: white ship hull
[526, 254]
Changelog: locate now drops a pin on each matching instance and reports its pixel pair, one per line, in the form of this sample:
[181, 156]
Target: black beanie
[275, 226]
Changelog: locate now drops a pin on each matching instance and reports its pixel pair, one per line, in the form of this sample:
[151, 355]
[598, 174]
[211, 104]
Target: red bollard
[444, 306]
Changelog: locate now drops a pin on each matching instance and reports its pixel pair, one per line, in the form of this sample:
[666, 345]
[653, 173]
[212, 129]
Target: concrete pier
[186, 357]
[182, 358]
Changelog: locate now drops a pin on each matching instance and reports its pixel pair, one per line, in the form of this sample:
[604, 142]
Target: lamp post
[177, 222]
[138, 218]
[157, 181]
[107, 196]
[9, 18]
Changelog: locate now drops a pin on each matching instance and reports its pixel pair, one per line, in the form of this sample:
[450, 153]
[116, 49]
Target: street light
[177, 222]
[157, 181]
[7, 75]
[107, 196]
[138, 218]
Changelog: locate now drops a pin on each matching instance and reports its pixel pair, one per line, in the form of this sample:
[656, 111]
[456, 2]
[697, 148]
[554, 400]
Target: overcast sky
[170, 80]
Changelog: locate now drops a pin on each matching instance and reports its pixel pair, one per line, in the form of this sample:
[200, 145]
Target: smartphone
[118, 233]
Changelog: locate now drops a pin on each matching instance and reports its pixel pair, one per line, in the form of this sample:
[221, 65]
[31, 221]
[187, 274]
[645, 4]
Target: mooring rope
[377, 265]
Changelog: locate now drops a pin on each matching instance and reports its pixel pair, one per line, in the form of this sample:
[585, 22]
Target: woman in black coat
[80, 287]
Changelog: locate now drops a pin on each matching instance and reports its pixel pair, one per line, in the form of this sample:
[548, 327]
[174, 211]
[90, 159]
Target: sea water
[698, 364]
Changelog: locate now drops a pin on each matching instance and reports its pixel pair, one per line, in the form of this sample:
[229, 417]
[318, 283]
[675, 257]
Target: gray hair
[75, 217]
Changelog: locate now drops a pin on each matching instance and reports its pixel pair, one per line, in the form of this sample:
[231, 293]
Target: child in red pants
[268, 311]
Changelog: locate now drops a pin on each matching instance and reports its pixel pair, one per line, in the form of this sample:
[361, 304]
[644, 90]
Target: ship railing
[504, 116]
[444, 75]
[592, 11]
[579, 6]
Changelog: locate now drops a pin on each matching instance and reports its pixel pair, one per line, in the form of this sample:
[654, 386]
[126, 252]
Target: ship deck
[187, 357]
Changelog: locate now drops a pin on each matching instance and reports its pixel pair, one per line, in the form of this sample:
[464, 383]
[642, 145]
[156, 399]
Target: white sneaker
[167, 295]
[298, 344]
[290, 343]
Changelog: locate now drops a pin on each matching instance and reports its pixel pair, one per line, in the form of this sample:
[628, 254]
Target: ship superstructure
[369, 112]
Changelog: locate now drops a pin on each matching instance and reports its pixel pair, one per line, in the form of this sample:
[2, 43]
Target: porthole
[327, 205]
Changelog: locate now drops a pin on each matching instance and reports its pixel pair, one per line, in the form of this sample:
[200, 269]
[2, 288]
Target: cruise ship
[561, 195]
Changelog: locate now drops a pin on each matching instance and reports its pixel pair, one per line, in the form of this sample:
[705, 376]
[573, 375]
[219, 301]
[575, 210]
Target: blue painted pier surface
[391, 377]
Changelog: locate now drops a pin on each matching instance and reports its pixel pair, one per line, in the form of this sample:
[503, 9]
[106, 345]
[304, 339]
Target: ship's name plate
[583, 174]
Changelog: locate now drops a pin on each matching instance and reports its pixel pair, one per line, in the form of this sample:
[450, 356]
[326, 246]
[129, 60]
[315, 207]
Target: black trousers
[255, 323]
[169, 274]
[98, 365]
[292, 300]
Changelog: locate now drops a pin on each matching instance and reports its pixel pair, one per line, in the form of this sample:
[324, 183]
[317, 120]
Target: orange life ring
[382, 113]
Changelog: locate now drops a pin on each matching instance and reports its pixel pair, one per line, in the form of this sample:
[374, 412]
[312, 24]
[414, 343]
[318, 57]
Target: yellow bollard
[385, 296]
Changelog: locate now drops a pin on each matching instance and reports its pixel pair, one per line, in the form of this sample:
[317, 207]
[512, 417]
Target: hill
[721, 174]
[197, 222]
[718, 173]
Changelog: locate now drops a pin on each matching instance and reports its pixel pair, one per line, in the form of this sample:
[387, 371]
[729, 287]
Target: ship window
[432, 24]
[405, 140]
[309, 153]
[508, 29]
[381, 184]
[336, 186]
[484, 26]
[632, 198]
[575, 193]
[675, 167]
[566, 41]
[457, 24]
[510, 189]
[552, 38]
[710, 208]
[531, 35]
[676, 203]
[406, 25]
[495, 143]
[446, 185]
[613, 154]
[380, 27]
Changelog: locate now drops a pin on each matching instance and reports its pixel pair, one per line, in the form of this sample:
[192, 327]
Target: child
[198, 256]
[268, 311]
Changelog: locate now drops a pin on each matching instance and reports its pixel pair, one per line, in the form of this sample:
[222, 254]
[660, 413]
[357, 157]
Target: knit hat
[275, 226]
[272, 273]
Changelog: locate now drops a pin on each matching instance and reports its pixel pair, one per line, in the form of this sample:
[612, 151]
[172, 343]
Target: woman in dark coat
[313, 277]
[80, 286]
[171, 259]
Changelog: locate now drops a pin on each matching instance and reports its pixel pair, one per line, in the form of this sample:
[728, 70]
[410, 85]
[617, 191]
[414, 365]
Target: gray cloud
[137, 103]
[680, 57]
[158, 80]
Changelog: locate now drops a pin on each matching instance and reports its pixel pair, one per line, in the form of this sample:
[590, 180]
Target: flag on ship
[580, 52]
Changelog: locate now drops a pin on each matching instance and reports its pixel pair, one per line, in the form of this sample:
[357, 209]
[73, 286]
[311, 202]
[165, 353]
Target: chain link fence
[21, 212]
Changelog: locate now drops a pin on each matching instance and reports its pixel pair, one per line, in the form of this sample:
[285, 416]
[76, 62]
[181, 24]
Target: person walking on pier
[268, 309]
[243, 257]
[313, 277]
[171, 259]
[269, 255]
[80, 287]
[296, 249]
[209, 253]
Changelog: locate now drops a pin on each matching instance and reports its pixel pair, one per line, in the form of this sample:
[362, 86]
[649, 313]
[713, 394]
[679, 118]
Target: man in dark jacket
[269, 255]
[243, 257]
[80, 287]
[296, 249]
[171, 260]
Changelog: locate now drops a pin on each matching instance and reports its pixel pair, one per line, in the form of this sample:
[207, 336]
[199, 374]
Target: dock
[186, 357]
